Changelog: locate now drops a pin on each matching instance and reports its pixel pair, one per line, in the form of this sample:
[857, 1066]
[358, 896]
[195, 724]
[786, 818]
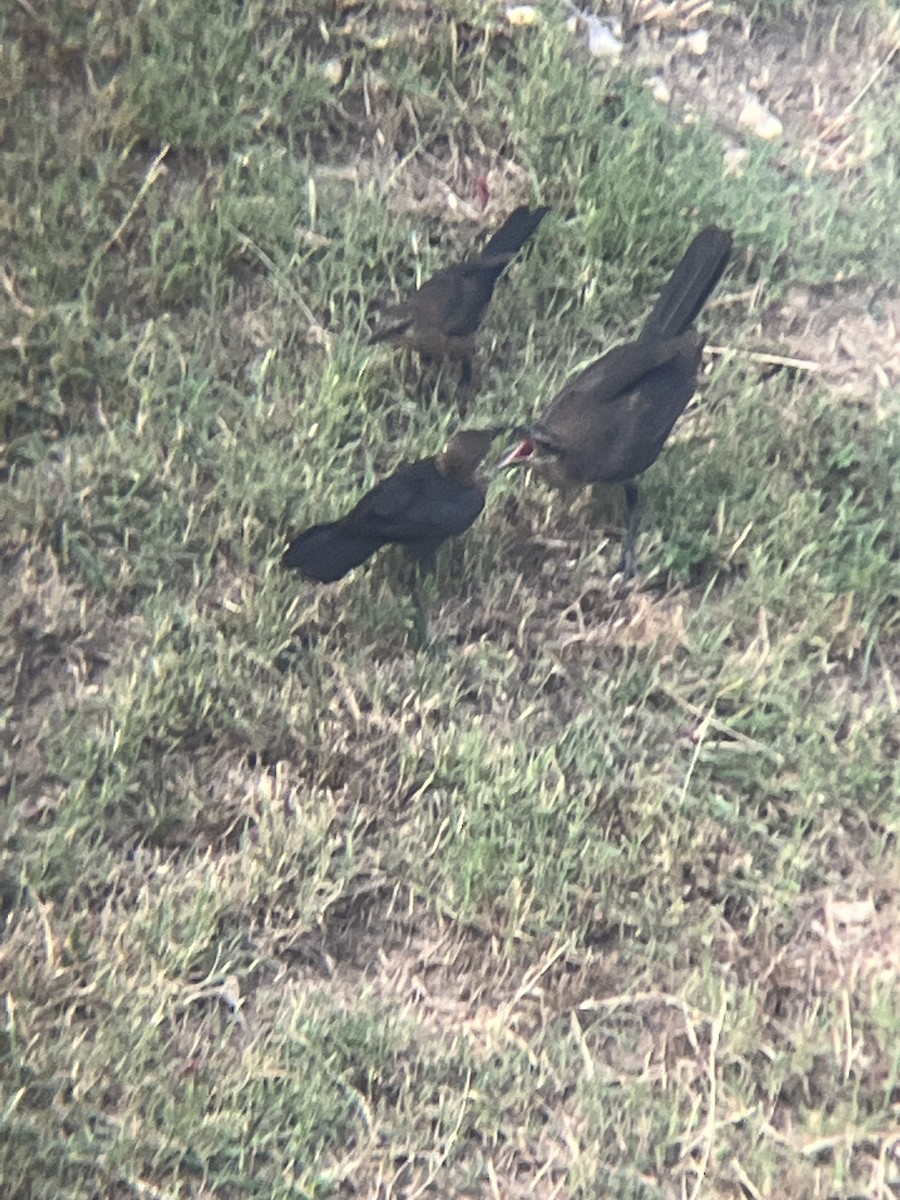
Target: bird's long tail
[691, 284]
[330, 551]
[513, 234]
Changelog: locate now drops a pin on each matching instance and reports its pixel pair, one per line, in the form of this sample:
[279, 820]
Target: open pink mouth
[522, 454]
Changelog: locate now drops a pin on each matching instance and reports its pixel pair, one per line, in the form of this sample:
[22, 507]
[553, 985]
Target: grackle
[609, 423]
[418, 507]
[440, 319]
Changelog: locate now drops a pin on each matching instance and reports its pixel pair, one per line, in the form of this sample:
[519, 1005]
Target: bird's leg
[467, 384]
[632, 523]
[420, 565]
[420, 617]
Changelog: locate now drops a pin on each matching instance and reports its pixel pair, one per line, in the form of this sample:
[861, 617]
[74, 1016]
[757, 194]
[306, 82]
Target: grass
[592, 894]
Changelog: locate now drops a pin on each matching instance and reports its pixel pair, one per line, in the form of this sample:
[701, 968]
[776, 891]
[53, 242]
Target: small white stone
[755, 117]
[736, 159]
[523, 14]
[698, 42]
[602, 39]
[658, 89]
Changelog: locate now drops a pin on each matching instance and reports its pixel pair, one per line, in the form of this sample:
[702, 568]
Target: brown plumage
[440, 319]
[609, 423]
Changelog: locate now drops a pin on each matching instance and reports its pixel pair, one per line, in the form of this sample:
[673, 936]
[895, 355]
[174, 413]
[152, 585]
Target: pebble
[602, 39]
[698, 42]
[658, 89]
[523, 14]
[755, 117]
[736, 159]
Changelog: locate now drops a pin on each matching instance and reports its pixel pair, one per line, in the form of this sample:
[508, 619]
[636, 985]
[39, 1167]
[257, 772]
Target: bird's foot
[623, 578]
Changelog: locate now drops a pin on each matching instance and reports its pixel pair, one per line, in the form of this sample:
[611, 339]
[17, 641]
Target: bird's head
[464, 452]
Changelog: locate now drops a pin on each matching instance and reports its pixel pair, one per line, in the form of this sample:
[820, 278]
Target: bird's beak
[520, 456]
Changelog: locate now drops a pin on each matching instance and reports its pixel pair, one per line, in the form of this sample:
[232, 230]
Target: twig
[821, 1145]
[699, 739]
[744, 1180]
[629, 1000]
[848, 108]
[534, 973]
[712, 1069]
[774, 360]
[154, 171]
[7, 280]
[649, 11]
[722, 727]
[318, 332]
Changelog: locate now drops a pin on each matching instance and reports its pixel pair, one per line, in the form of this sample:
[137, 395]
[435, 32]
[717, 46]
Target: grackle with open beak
[609, 423]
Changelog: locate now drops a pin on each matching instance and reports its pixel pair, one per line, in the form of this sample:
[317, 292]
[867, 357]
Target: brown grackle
[609, 423]
[440, 319]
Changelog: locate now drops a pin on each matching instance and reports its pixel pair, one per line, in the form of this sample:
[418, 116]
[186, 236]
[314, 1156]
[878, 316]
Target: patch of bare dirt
[811, 77]
[853, 338]
[458, 186]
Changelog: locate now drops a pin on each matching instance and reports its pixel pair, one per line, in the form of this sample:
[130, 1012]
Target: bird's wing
[391, 497]
[416, 504]
[454, 301]
[611, 421]
[450, 304]
[614, 375]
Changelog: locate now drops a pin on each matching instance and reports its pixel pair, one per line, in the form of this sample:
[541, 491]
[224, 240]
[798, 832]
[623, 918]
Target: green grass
[590, 894]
